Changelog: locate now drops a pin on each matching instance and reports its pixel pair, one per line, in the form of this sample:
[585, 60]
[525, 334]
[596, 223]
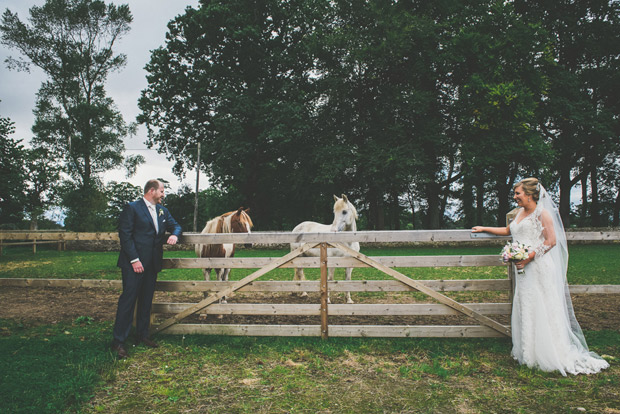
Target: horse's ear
[335, 198]
[239, 210]
[247, 210]
[344, 197]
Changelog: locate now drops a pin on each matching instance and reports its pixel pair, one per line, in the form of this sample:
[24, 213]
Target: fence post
[324, 292]
[511, 267]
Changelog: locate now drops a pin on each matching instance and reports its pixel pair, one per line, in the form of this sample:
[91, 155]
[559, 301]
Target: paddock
[482, 316]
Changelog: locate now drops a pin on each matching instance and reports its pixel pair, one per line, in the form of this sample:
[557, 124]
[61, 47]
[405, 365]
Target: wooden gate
[323, 241]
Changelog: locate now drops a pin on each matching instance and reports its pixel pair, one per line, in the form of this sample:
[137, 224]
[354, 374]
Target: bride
[545, 333]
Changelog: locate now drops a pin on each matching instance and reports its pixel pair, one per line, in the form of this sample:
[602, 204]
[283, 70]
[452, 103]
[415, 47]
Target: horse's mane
[222, 224]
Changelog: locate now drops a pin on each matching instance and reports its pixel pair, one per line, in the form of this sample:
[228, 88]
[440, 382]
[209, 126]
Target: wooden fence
[32, 238]
[480, 313]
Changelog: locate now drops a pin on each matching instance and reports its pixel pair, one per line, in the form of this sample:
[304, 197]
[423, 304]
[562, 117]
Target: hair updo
[530, 186]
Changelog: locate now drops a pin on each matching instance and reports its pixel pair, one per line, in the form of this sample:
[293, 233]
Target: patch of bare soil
[53, 305]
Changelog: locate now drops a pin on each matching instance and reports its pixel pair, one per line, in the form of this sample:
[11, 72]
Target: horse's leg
[222, 276]
[207, 275]
[348, 272]
[299, 275]
[330, 277]
[225, 274]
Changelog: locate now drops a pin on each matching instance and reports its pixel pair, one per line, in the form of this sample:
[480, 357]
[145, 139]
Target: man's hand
[172, 239]
[137, 267]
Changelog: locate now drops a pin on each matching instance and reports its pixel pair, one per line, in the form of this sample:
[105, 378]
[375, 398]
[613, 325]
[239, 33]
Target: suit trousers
[140, 287]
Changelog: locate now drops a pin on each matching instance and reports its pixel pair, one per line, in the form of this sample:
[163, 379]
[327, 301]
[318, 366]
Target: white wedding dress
[545, 333]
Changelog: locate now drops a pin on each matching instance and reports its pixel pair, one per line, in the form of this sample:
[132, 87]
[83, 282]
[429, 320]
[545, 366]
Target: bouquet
[515, 252]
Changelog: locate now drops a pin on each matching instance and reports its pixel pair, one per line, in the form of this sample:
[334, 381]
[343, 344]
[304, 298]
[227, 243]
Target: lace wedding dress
[545, 333]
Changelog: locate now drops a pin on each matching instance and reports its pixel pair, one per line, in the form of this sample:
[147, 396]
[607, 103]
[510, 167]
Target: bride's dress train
[545, 333]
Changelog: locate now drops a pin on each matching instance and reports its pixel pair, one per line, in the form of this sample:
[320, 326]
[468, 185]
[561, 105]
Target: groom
[141, 230]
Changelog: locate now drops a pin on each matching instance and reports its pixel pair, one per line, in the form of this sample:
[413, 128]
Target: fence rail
[401, 236]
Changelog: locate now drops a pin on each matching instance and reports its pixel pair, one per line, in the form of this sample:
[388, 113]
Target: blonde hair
[531, 187]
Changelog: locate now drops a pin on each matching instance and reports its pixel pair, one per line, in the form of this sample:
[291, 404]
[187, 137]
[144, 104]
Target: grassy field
[66, 367]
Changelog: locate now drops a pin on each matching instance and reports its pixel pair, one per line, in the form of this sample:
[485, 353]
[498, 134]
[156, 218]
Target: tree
[72, 42]
[42, 177]
[235, 76]
[499, 78]
[211, 203]
[13, 173]
[580, 113]
[119, 194]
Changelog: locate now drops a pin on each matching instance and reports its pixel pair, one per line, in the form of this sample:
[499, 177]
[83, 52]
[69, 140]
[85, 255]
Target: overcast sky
[148, 30]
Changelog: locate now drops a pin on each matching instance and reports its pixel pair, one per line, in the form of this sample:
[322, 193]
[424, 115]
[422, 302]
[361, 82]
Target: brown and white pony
[345, 216]
[232, 222]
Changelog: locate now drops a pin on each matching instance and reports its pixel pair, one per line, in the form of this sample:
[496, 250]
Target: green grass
[588, 264]
[48, 369]
[64, 368]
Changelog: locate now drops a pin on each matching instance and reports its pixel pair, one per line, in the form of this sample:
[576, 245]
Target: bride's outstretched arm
[498, 231]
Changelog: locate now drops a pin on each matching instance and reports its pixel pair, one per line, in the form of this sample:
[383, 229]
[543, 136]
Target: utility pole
[197, 185]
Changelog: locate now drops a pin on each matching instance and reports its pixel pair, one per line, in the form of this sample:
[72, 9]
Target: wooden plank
[338, 262]
[594, 289]
[62, 283]
[29, 242]
[401, 236]
[366, 309]
[58, 235]
[338, 286]
[272, 286]
[385, 331]
[237, 285]
[245, 330]
[300, 286]
[592, 235]
[432, 293]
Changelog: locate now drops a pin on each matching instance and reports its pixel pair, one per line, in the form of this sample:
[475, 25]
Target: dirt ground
[54, 305]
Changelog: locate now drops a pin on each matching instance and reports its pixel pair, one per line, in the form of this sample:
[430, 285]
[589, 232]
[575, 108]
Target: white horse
[345, 215]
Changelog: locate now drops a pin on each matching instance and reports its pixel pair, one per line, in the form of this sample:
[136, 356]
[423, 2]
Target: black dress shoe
[148, 342]
[120, 351]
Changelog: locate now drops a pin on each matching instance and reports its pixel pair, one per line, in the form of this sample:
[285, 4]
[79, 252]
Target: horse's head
[240, 222]
[345, 215]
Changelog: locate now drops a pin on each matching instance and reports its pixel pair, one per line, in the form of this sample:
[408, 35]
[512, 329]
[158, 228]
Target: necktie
[154, 216]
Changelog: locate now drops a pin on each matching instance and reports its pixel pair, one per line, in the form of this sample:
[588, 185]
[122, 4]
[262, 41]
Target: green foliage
[13, 173]
[72, 42]
[120, 194]
[403, 106]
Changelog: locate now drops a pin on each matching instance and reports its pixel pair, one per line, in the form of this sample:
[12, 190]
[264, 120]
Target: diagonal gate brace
[236, 286]
[424, 289]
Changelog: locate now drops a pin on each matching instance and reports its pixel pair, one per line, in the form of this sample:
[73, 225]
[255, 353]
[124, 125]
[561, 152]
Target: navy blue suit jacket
[138, 237]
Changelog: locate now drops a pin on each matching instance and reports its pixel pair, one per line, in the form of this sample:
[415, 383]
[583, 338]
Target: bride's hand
[522, 263]
[477, 229]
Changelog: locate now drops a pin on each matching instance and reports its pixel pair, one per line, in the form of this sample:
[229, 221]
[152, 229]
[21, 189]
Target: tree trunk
[616, 218]
[395, 211]
[479, 198]
[595, 208]
[584, 201]
[565, 188]
[432, 194]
